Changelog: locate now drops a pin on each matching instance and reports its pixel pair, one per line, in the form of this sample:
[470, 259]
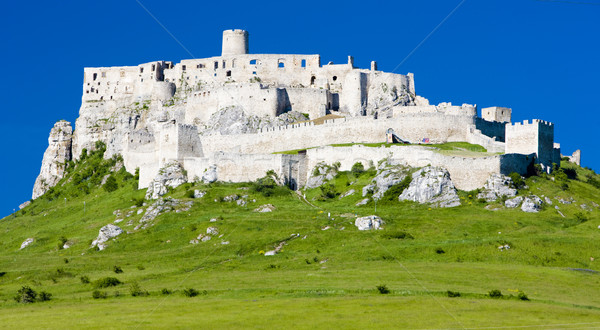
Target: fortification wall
[467, 173]
[536, 138]
[252, 97]
[491, 128]
[312, 101]
[437, 128]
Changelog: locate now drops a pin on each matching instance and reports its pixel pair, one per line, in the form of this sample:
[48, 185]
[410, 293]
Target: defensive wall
[536, 138]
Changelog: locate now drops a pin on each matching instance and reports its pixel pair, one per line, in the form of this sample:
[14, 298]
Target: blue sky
[538, 57]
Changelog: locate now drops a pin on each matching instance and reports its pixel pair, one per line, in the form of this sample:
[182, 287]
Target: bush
[453, 294]
[97, 294]
[267, 186]
[165, 291]
[328, 191]
[440, 251]
[190, 292]
[2, 274]
[396, 190]
[117, 269]
[593, 181]
[517, 180]
[189, 194]
[45, 296]
[84, 279]
[61, 242]
[25, 295]
[495, 294]
[383, 289]
[136, 290]
[357, 169]
[106, 282]
[581, 217]
[138, 201]
[522, 296]
[111, 184]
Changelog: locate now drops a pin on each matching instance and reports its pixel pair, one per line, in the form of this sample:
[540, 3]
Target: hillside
[438, 264]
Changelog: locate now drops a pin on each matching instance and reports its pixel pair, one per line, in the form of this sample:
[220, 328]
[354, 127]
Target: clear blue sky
[538, 57]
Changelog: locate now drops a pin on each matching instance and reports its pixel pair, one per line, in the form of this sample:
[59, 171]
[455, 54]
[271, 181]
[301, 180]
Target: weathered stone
[212, 231]
[531, 204]
[231, 198]
[321, 174]
[265, 208]
[26, 243]
[171, 175]
[210, 175]
[388, 175]
[513, 202]
[362, 202]
[368, 223]
[55, 158]
[347, 193]
[497, 185]
[107, 232]
[24, 205]
[431, 185]
[199, 194]
[547, 200]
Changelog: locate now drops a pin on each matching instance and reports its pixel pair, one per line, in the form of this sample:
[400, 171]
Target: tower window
[303, 63]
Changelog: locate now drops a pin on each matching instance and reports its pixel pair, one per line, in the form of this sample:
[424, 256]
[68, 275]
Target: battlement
[534, 122]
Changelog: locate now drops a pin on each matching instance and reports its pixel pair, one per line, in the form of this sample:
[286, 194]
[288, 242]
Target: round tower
[235, 42]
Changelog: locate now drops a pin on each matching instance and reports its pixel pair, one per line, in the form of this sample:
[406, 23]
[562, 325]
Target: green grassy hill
[439, 265]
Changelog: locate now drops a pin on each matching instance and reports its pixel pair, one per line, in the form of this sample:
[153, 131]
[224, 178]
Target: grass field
[327, 273]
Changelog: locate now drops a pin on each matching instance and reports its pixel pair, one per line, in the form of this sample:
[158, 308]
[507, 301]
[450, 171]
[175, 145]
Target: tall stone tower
[235, 42]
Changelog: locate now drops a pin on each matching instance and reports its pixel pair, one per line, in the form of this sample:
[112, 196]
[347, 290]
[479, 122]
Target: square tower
[536, 138]
[499, 114]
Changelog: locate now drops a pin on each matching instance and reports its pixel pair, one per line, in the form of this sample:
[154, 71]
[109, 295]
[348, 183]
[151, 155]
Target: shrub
[518, 182]
[453, 294]
[141, 267]
[117, 269]
[25, 295]
[97, 294]
[190, 292]
[189, 194]
[111, 184]
[45, 296]
[2, 274]
[267, 186]
[165, 291]
[136, 290]
[383, 289]
[84, 279]
[522, 296]
[581, 217]
[328, 191]
[357, 169]
[396, 190]
[138, 201]
[440, 251]
[495, 294]
[593, 181]
[61, 242]
[106, 282]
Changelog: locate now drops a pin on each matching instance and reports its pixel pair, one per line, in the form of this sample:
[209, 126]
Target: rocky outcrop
[321, 174]
[171, 175]
[55, 158]
[107, 232]
[388, 175]
[369, 223]
[431, 185]
[210, 175]
[513, 202]
[265, 208]
[497, 185]
[531, 204]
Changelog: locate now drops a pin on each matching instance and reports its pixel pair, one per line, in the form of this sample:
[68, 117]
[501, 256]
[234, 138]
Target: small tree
[111, 184]
[357, 169]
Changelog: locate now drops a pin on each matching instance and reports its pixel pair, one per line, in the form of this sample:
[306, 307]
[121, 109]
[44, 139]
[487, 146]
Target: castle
[160, 112]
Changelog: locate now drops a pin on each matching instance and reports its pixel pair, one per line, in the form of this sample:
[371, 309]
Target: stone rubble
[531, 204]
[171, 175]
[388, 175]
[26, 243]
[371, 222]
[323, 173]
[497, 185]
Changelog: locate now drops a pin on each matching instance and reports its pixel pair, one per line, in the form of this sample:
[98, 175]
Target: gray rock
[362, 202]
[513, 202]
[234, 120]
[210, 175]
[497, 185]
[199, 194]
[367, 189]
[368, 223]
[265, 208]
[26, 243]
[24, 205]
[212, 231]
[388, 175]
[566, 201]
[231, 198]
[531, 204]
[347, 193]
[171, 175]
[548, 200]
[431, 185]
[321, 174]
[56, 156]
[107, 232]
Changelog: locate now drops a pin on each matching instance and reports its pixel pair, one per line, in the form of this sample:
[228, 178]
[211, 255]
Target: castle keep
[231, 114]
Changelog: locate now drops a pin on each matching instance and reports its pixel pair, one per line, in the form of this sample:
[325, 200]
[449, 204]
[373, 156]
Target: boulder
[107, 232]
[171, 175]
[265, 208]
[431, 185]
[347, 193]
[26, 243]
[24, 205]
[388, 175]
[321, 174]
[531, 204]
[210, 175]
[513, 202]
[497, 185]
[362, 202]
[368, 223]
[199, 194]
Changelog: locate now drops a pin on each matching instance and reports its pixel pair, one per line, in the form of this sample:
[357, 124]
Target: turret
[235, 42]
